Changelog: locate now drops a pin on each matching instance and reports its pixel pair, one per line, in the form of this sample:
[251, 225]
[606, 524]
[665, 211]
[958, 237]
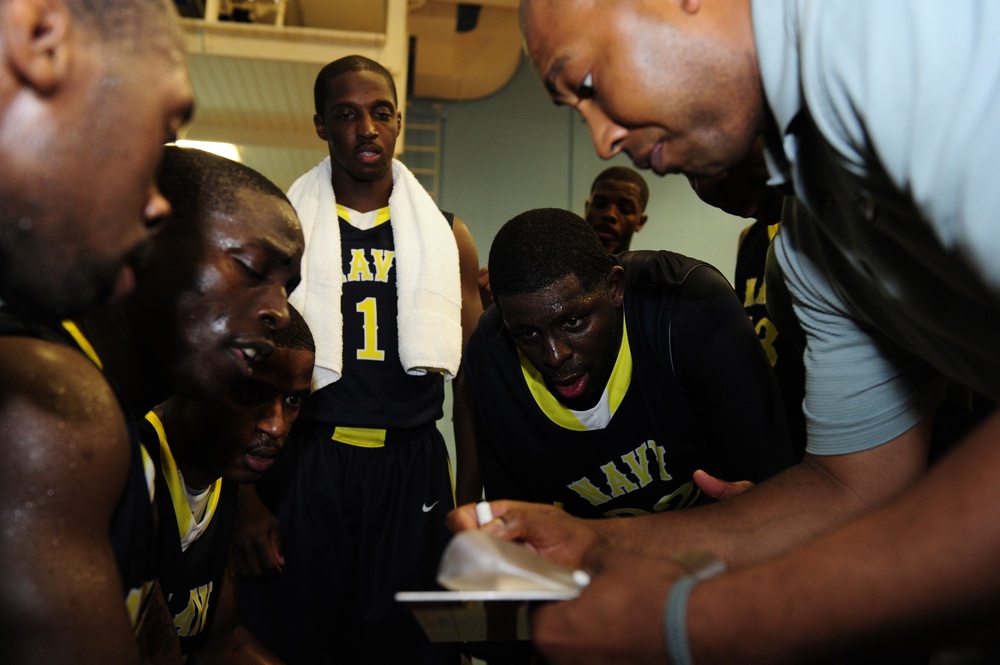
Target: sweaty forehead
[539, 17]
[544, 303]
[257, 218]
[564, 37]
[544, 40]
[351, 84]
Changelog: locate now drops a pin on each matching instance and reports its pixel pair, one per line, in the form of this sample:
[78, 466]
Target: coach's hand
[548, 530]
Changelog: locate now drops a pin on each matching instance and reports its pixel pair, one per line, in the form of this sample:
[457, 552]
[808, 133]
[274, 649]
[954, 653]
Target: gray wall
[516, 150]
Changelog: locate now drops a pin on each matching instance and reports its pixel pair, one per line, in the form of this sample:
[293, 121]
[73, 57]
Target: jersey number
[369, 310]
[768, 334]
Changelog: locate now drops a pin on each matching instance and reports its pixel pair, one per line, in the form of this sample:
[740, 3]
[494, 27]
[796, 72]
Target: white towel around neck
[427, 279]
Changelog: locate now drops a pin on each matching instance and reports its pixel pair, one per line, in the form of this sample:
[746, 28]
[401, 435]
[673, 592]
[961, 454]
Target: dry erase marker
[484, 513]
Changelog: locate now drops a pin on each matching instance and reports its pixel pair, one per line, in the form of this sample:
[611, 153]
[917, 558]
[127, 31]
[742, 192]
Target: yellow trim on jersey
[451, 477]
[772, 230]
[137, 599]
[178, 497]
[621, 377]
[362, 437]
[149, 471]
[147, 462]
[381, 218]
[137, 605]
[82, 342]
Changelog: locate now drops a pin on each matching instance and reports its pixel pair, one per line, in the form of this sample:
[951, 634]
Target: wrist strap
[675, 620]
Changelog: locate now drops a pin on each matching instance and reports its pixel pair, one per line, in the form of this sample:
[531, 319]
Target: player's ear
[642, 222]
[36, 42]
[616, 285]
[320, 127]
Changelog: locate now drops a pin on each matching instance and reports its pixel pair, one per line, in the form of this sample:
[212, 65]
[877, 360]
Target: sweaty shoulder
[59, 411]
[66, 456]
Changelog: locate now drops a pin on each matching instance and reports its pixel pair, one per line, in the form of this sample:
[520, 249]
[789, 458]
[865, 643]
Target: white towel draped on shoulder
[427, 276]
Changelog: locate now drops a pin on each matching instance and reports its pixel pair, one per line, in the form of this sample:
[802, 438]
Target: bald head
[106, 80]
[675, 85]
[525, 10]
[125, 22]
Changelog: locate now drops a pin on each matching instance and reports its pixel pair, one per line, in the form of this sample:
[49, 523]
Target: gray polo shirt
[888, 128]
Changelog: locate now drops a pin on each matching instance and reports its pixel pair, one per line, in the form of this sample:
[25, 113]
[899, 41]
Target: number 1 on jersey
[369, 309]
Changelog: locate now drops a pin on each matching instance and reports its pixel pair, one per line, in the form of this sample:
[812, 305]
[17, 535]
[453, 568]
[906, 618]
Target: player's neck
[185, 444]
[361, 195]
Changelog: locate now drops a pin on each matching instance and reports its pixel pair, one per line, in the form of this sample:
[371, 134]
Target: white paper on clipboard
[491, 583]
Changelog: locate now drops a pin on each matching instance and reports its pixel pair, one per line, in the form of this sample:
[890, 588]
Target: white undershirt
[198, 502]
[597, 416]
[361, 220]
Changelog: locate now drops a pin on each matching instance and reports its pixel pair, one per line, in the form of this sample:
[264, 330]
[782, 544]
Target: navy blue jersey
[361, 489]
[191, 578]
[696, 392]
[785, 356]
[133, 521]
[374, 391]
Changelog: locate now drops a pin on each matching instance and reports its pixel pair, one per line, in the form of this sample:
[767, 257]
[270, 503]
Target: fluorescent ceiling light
[227, 150]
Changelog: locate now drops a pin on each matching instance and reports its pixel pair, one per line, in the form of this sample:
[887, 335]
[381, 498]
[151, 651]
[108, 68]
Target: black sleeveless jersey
[374, 391]
[697, 393]
[192, 578]
[133, 521]
[784, 355]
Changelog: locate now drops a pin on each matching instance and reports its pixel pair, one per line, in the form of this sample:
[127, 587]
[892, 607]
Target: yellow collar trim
[178, 496]
[381, 218]
[621, 377]
[82, 342]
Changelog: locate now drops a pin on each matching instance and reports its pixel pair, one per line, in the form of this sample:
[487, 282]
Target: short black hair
[539, 247]
[624, 174]
[196, 183]
[349, 63]
[296, 336]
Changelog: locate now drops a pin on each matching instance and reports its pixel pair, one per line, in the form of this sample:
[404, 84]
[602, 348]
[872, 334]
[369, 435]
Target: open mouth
[249, 353]
[368, 153]
[572, 388]
[257, 463]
